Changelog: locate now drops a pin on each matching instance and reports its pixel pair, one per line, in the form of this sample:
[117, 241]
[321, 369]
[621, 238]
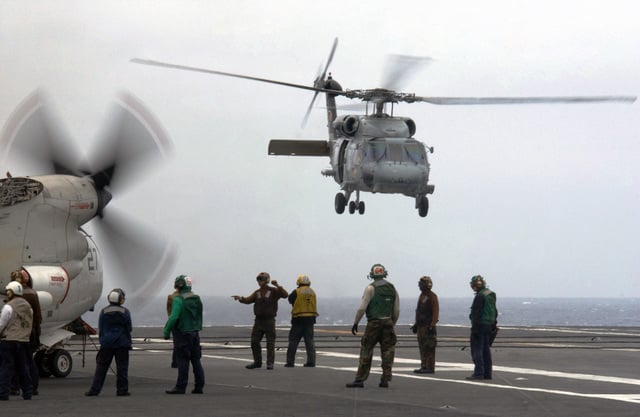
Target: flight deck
[538, 371]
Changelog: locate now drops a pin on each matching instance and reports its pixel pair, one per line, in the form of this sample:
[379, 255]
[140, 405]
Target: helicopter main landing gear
[57, 363]
[422, 204]
[341, 200]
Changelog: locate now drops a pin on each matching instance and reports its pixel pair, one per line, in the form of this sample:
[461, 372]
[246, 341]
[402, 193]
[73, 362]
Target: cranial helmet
[263, 276]
[477, 281]
[15, 287]
[426, 281]
[182, 281]
[116, 296]
[303, 280]
[378, 271]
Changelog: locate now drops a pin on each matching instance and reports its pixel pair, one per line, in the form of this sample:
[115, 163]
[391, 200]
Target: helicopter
[375, 152]
[42, 217]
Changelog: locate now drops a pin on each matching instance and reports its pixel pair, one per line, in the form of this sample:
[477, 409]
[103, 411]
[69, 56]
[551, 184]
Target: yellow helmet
[303, 280]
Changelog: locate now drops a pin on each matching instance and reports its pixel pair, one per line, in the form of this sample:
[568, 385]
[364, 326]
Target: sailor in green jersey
[381, 304]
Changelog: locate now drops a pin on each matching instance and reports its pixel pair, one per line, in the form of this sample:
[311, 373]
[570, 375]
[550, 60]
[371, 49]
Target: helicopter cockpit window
[414, 153]
[395, 152]
[375, 151]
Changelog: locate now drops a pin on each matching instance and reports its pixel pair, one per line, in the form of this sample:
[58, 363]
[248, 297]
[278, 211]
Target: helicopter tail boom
[293, 147]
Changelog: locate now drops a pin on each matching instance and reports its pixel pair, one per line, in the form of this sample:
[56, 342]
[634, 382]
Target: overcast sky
[542, 200]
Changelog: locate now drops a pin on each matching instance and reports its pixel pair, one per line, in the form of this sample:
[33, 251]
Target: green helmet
[378, 271]
[182, 281]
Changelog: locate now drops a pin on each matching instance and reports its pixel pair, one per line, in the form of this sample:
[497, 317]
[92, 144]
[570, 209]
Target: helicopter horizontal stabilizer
[295, 147]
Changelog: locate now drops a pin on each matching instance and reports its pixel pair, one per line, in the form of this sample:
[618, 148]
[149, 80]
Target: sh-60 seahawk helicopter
[376, 152]
[41, 216]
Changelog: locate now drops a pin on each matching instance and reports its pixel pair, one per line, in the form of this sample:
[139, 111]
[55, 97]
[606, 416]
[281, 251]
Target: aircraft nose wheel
[359, 206]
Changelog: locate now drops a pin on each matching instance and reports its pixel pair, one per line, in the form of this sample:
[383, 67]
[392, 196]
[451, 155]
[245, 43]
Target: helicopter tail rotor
[320, 81]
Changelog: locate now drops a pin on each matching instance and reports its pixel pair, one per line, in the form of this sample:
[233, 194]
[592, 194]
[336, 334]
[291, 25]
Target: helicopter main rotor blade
[518, 100]
[228, 74]
[399, 68]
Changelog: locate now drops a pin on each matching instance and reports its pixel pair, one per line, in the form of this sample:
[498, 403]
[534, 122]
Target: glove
[354, 329]
[166, 337]
[414, 329]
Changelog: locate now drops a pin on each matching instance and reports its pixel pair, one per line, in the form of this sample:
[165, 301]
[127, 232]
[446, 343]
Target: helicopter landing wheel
[340, 203]
[423, 207]
[361, 207]
[352, 207]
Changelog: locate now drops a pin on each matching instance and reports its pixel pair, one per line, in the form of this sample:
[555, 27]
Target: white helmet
[15, 288]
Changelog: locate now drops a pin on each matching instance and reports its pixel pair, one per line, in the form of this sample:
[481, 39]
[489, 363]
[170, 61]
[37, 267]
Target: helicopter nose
[386, 177]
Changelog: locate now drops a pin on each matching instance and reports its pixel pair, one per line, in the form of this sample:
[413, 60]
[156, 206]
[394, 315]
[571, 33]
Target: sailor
[303, 318]
[265, 307]
[185, 322]
[381, 303]
[114, 325]
[16, 319]
[484, 320]
[427, 312]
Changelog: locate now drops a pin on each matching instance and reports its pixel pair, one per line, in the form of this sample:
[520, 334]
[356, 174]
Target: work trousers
[377, 331]
[262, 327]
[302, 328]
[427, 342]
[188, 351]
[103, 362]
[481, 350]
[14, 358]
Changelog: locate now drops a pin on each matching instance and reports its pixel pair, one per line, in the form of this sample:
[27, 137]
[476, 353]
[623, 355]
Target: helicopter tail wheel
[340, 203]
[361, 207]
[61, 363]
[352, 207]
[423, 207]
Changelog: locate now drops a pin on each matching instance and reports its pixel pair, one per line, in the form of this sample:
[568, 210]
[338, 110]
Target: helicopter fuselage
[377, 154]
[380, 157]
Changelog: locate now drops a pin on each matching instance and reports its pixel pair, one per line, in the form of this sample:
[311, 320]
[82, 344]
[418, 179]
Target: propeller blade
[33, 134]
[132, 141]
[399, 68]
[519, 100]
[143, 258]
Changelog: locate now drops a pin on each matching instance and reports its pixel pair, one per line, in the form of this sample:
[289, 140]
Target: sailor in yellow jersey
[303, 318]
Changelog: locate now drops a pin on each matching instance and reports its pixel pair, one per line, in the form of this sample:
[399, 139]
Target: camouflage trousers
[377, 331]
[427, 342]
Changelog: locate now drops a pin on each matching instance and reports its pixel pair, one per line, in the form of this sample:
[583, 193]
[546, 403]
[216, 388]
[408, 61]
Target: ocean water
[223, 311]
